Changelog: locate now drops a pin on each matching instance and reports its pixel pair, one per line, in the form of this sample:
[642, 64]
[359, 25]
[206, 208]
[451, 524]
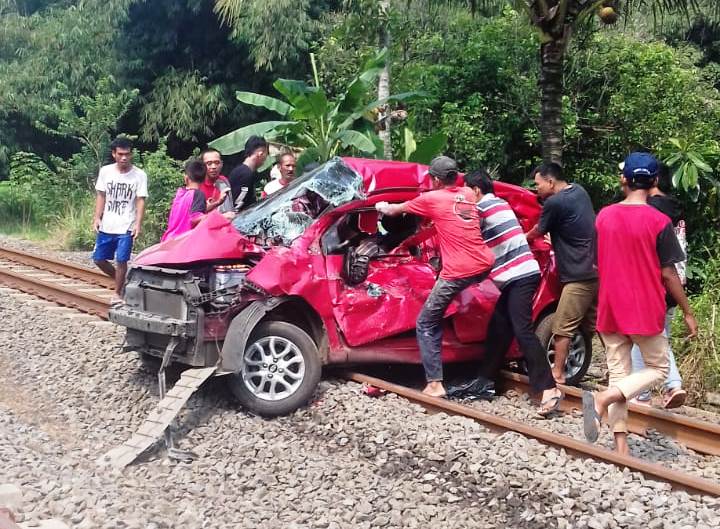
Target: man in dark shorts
[568, 217]
[466, 259]
[637, 252]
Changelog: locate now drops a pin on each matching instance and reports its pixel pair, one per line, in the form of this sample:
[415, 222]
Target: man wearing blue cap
[637, 252]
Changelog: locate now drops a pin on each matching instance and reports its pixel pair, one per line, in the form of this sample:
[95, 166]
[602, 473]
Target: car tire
[280, 370]
[579, 357]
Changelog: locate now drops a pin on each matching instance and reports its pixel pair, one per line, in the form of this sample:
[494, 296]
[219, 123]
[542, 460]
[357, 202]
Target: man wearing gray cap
[466, 259]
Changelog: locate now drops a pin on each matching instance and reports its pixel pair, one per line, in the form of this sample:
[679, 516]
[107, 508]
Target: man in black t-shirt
[569, 218]
[244, 178]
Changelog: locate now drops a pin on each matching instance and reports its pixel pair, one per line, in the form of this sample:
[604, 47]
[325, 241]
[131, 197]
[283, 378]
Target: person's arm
[139, 214]
[99, 208]
[391, 210]
[676, 290]
[198, 208]
[545, 223]
[669, 252]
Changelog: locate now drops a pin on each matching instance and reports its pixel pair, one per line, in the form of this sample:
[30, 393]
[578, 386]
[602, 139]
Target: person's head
[121, 150]
[444, 171]
[256, 151]
[480, 182]
[664, 183]
[213, 163]
[286, 163]
[549, 179]
[194, 172]
[640, 172]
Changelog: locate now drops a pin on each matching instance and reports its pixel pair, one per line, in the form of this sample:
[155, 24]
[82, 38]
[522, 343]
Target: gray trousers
[429, 322]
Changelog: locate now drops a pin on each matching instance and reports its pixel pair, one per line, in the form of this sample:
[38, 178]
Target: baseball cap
[640, 165]
[441, 166]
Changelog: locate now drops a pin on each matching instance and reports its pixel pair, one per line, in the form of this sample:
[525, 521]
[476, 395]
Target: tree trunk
[384, 83]
[552, 55]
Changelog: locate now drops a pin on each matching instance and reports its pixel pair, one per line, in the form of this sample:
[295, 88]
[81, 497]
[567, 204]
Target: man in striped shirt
[516, 273]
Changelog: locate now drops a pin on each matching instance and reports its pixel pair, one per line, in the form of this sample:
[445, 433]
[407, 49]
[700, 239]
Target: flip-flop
[675, 398]
[591, 419]
[556, 400]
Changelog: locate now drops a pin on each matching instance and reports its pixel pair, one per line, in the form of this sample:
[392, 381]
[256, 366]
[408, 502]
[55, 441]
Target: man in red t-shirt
[466, 259]
[216, 187]
[637, 252]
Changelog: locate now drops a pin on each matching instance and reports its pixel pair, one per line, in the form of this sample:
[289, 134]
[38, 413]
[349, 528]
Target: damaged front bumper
[159, 305]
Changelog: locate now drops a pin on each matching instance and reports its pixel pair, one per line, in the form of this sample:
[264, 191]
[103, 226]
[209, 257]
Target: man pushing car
[466, 259]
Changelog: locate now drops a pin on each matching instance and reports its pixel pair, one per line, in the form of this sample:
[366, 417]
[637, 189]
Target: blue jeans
[429, 323]
[673, 379]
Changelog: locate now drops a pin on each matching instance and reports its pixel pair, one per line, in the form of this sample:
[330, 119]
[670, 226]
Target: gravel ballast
[67, 395]
[345, 461]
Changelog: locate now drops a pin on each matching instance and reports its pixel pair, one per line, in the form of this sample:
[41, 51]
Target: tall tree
[556, 20]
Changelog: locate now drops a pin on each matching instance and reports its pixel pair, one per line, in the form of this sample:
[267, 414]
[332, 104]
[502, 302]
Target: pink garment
[180, 217]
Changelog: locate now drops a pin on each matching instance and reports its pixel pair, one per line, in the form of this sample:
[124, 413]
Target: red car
[312, 276]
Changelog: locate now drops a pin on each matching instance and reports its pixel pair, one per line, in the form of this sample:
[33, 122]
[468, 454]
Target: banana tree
[311, 121]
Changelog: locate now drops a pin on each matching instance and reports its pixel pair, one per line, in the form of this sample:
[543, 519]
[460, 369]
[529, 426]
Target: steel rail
[701, 436]
[63, 268]
[56, 293]
[676, 479]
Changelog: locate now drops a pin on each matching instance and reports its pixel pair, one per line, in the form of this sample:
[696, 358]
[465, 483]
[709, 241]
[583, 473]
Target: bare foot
[434, 389]
[621, 444]
[550, 401]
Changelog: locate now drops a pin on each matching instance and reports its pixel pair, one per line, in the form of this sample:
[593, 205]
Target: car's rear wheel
[579, 355]
[280, 370]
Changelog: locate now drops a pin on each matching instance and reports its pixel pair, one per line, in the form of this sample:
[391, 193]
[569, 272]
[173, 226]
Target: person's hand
[96, 225]
[229, 215]
[547, 238]
[135, 231]
[382, 207]
[691, 324]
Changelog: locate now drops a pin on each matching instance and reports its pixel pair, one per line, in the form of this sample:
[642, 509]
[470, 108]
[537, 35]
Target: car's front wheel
[579, 355]
[280, 370]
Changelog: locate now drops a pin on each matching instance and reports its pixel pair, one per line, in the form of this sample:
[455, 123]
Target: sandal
[674, 398]
[591, 419]
[550, 406]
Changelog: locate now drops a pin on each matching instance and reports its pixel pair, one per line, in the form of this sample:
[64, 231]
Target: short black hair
[195, 170]
[207, 151]
[121, 142]
[641, 182]
[254, 143]
[480, 179]
[550, 169]
[448, 178]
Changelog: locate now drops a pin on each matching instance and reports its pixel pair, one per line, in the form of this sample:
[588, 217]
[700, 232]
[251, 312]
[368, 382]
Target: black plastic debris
[479, 388]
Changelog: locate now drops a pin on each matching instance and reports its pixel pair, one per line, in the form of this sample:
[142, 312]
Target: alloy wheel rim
[273, 368]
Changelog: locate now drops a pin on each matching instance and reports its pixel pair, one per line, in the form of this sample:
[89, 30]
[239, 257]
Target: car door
[388, 300]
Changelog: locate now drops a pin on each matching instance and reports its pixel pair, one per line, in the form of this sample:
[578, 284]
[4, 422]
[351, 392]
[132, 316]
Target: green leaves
[424, 151]
[234, 141]
[268, 102]
[323, 127]
[690, 161]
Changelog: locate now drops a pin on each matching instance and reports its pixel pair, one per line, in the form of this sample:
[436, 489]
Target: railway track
[90, 291]
[57, 281]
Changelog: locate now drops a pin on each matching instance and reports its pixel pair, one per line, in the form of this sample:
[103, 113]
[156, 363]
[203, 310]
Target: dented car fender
[240, 329]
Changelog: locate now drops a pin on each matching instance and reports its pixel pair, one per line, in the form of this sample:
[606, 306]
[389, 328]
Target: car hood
[214, 239]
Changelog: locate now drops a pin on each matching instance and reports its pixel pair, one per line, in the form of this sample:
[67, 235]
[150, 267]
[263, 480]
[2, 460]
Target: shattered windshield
[286, 214]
